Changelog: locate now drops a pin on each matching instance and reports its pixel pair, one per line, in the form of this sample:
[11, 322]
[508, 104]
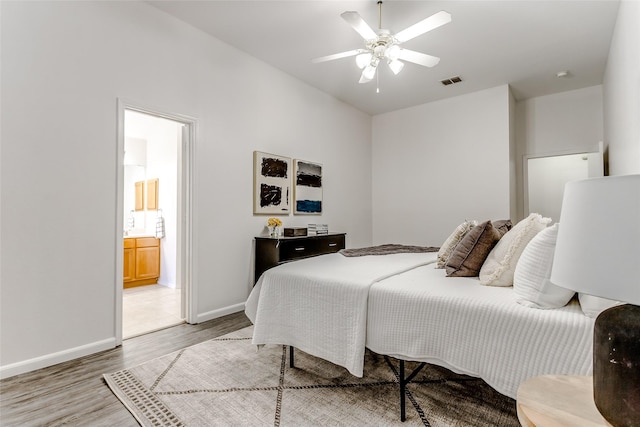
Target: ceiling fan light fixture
[396, 66]
[383, 45]
[368, 73]
[363, 60]
[393, 52]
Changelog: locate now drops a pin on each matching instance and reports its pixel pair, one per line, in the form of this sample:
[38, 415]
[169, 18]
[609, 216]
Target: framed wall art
[271, 183]
[307, 187]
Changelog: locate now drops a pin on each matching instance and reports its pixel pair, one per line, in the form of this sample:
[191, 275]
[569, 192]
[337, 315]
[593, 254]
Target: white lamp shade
[363, 60]
[396, 66]
[598, 245]
[368, 73]
[393, 52]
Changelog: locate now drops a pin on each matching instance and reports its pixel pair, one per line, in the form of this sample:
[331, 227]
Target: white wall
[64, 65]
[562, 123]
[622, 92]
[439, 163]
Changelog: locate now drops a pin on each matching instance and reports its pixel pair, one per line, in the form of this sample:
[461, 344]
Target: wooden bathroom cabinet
[141, 264]
[152, 194]
[139, 197]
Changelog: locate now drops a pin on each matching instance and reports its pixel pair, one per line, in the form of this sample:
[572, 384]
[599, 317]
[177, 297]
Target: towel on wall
[131, 221]
[159, 225]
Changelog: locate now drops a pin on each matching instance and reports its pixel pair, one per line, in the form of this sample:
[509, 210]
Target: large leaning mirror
[546, 176]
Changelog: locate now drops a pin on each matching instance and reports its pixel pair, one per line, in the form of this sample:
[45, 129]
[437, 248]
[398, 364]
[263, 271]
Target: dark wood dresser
[269, 253]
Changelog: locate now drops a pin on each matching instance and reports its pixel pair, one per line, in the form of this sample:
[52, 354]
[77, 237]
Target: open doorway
[153, 282]
[151, 295]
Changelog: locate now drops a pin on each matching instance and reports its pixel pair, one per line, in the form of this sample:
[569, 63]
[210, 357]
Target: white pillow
[531, 283]
[500, 265]
[449, 245]
[592, 306]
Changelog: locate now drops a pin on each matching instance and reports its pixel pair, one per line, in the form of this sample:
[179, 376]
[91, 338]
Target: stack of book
[318, 229]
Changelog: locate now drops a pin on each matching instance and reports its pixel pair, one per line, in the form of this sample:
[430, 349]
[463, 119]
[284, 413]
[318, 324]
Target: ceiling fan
[384, 46]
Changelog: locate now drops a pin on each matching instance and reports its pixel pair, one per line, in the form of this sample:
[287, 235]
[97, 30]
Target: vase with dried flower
[274, 224]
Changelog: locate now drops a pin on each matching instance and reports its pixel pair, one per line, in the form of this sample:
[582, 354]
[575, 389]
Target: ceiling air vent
[451, 80]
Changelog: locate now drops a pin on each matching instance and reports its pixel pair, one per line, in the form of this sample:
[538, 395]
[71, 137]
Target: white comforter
[476, 330]
[319, 305]
[400, 305]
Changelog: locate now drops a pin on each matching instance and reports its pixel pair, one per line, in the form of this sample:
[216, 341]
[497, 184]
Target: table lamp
[598, 253]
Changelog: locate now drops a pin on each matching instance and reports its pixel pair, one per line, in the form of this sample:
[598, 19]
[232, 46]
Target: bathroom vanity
[141, 261]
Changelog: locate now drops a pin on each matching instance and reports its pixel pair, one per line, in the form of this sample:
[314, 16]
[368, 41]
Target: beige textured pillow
[449, 245]
[500, 264]
[469, 255]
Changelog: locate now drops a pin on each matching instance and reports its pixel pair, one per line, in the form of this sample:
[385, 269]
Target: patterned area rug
[227, 382]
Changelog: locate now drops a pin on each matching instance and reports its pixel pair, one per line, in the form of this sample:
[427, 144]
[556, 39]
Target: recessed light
[561, 74]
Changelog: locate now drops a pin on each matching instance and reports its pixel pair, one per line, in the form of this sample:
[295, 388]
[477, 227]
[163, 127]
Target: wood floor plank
[74, 394]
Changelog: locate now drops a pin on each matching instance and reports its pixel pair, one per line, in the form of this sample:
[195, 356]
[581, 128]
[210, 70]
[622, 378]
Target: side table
[558, 400]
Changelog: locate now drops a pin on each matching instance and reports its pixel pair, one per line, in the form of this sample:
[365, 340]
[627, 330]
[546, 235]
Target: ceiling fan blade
[339, 55]
[418, 58]
[358, 24]
[428, 24]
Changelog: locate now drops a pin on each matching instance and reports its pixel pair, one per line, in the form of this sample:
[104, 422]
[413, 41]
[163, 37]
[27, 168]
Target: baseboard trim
[214, 314]
[47, 360]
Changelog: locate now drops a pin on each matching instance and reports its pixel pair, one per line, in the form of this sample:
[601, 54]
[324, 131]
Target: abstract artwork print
[308, 187]
[271, 184]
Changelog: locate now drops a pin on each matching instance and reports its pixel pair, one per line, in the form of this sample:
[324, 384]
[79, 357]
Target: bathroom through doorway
[154, 268]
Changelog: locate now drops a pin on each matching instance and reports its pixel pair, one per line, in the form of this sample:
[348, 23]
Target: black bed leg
[403, 386]
[291, 356]
[403, 416]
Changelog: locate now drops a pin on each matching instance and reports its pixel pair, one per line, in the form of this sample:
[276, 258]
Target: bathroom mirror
[135, 175]
[545, 177]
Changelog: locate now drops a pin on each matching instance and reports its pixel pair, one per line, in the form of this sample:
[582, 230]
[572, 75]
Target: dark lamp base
[616, 365]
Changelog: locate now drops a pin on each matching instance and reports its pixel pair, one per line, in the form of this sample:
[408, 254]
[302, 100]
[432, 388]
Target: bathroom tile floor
[149, 308]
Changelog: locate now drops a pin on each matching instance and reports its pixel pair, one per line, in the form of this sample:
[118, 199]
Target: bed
[400, 305]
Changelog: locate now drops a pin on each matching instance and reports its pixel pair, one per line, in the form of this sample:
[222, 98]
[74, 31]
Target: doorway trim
[185, 265]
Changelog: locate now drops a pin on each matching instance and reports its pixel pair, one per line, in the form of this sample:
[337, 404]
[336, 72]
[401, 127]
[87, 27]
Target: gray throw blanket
[387, 249]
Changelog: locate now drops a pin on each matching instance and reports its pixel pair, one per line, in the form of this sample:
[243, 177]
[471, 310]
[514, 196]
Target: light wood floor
[74, 394]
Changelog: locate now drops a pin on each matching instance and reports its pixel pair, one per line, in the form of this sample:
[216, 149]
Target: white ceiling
[522, 43]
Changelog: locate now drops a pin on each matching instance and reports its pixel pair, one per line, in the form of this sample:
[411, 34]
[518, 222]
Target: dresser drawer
[330, 244]
[271, 252]
[293, 249]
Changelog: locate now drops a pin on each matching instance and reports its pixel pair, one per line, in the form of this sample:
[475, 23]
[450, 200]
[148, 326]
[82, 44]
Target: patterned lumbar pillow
[469, 255]
[449, 245]
[500, 264]
[502, 225]
[531, 283]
